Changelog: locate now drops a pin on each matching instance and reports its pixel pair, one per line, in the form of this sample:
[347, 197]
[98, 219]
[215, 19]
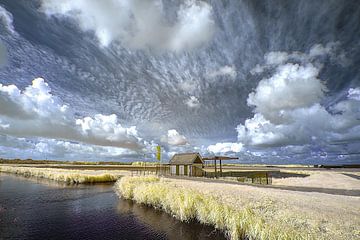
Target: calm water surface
[40, 209]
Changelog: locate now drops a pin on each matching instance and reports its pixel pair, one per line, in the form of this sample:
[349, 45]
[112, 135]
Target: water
[40, 209]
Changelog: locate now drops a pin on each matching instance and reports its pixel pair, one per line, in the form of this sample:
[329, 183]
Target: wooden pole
[215, 169]
[267, 178]
[220, 169]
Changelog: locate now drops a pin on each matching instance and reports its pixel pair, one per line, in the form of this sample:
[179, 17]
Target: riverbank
[66, 175]
[246, 211]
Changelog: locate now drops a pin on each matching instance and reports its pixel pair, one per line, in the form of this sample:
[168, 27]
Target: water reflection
[32, 208]
[163, 222]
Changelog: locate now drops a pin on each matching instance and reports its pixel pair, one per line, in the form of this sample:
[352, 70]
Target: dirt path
[343, 192]
[352, 175]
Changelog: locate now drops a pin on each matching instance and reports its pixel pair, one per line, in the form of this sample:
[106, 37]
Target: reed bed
[188, 204]
[66, 175]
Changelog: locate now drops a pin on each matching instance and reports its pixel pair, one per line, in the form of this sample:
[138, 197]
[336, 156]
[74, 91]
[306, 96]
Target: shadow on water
[163, 222]
[32, 208]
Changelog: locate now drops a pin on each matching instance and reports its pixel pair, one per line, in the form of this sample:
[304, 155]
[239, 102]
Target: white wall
[181, 170]
[173, 169]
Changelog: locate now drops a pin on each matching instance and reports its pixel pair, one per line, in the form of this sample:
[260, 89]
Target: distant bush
[31, 161]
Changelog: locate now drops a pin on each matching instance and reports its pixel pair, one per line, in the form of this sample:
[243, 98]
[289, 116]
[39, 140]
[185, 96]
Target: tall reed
[64, 175]
[186, 204]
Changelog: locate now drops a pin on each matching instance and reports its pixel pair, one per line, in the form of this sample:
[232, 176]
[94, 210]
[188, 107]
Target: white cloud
[105, 130]
[139, 23]
[316, 52]
[292, 86]
[174, 138]
[229, 71]
[257, 69]
[225, 147]
[193, 102]
[259, 131]
[6, 19]
[287, 104]
[35, 112]
[276, 58]
[354, 93]
[321, 50]
[195, 26]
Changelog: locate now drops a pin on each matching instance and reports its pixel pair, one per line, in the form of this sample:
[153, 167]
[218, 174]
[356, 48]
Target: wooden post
[215, 168]
[220, 169]
[267, 179]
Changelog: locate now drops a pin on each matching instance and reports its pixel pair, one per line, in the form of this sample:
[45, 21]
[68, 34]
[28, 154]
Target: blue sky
[269, 82]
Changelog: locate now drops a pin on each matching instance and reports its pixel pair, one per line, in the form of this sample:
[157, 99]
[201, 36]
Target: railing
[257, 177]
[160, 170]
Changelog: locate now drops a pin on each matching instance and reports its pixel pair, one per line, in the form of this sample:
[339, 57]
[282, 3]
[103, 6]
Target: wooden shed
[187, 164]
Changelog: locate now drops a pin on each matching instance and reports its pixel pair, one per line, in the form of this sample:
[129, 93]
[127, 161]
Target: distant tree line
[31, 161]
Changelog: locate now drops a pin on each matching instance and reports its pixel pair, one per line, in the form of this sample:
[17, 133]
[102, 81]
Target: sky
[274, 82]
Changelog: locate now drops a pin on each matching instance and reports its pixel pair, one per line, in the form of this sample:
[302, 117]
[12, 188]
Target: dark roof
[186, 158]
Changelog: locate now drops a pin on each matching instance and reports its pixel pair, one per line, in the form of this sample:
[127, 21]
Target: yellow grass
[65, 175]
[315, 215]
[142, 164]
[187, 204]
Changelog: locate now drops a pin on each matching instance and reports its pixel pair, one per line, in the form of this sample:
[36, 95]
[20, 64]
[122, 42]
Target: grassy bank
[187, 204]
[65, 175]
[249, 212]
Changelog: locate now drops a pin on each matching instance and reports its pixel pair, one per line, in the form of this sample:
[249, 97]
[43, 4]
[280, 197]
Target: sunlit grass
[65, 175]
[142, 164]
[187, 204]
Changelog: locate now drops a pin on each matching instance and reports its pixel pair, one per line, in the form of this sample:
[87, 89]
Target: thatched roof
[186, 159]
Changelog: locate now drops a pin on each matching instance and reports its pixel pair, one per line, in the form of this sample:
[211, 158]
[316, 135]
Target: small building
[187, 164]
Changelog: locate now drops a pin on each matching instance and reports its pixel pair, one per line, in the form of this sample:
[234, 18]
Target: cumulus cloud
[225, 147]
[35, 112]
[174, 138]
[292, 86]
[103, 129]
[139, 23]
[192, 102]
[287, 105]
[229, 71]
